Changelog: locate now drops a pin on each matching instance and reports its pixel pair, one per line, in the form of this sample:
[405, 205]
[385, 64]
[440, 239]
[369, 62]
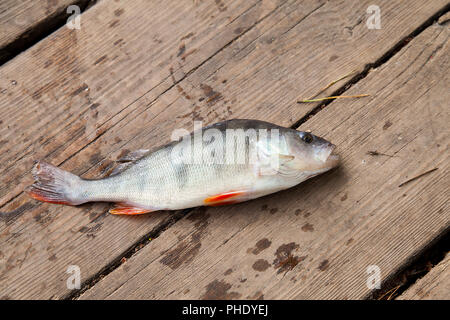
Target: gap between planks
[433, 251]
[40, 31]
[411, 272]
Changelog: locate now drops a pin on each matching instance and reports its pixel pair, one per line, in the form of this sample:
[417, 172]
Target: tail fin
[54, 185]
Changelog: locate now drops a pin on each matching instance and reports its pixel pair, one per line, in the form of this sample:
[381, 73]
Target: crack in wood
[303, 18]
[39, 31]
[413, 270]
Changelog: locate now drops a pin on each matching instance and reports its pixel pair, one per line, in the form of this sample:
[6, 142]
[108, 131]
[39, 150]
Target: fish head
[311, 153]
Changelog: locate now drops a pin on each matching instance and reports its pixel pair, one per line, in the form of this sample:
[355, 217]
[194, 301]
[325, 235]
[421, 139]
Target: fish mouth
[332, 159]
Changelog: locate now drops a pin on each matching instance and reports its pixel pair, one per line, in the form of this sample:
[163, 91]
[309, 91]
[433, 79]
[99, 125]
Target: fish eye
[307, 137]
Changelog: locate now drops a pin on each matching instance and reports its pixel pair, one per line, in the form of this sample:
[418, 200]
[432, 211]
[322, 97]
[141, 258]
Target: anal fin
[123, 208]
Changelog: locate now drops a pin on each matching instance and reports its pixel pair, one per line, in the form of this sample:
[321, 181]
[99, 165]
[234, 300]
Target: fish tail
[54, 185]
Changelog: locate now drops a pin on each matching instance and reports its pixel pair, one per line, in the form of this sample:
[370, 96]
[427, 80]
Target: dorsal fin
[133, 156]
[127, 160]
[120, 168]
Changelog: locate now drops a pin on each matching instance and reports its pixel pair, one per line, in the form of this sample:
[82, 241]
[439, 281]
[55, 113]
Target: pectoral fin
[271, 164]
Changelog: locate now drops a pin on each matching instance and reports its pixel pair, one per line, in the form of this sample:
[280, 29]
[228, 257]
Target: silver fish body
[227, 162]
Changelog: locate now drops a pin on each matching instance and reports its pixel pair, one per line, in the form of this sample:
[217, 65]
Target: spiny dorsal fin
[127, 160]
[120, 168]
[134, 155]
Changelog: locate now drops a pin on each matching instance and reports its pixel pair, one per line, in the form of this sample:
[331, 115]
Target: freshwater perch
[224, 163]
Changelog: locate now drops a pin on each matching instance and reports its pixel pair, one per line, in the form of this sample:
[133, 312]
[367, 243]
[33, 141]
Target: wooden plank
[318, 239]
[435, 285]
[24, 19]
[106, 93]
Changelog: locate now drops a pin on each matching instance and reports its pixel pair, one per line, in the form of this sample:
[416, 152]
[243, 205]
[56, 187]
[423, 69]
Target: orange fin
[123, 208]
[224, 198]
[44, 197]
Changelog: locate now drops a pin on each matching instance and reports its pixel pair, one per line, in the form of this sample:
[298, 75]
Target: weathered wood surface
[435, 285]
[21, 19]
[125, 81]
[317, 240]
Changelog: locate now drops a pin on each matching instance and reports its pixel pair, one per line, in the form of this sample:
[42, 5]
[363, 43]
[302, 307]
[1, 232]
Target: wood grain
[435, 285]
[318, 239]
[79, 99]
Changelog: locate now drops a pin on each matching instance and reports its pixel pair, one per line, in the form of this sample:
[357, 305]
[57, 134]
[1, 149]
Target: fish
[224, 163]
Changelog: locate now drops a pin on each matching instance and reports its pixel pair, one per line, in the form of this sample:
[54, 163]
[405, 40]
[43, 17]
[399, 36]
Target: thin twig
[333, 97]
[417, 177]
[332, 83]
[381, 298]
[390, 296]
